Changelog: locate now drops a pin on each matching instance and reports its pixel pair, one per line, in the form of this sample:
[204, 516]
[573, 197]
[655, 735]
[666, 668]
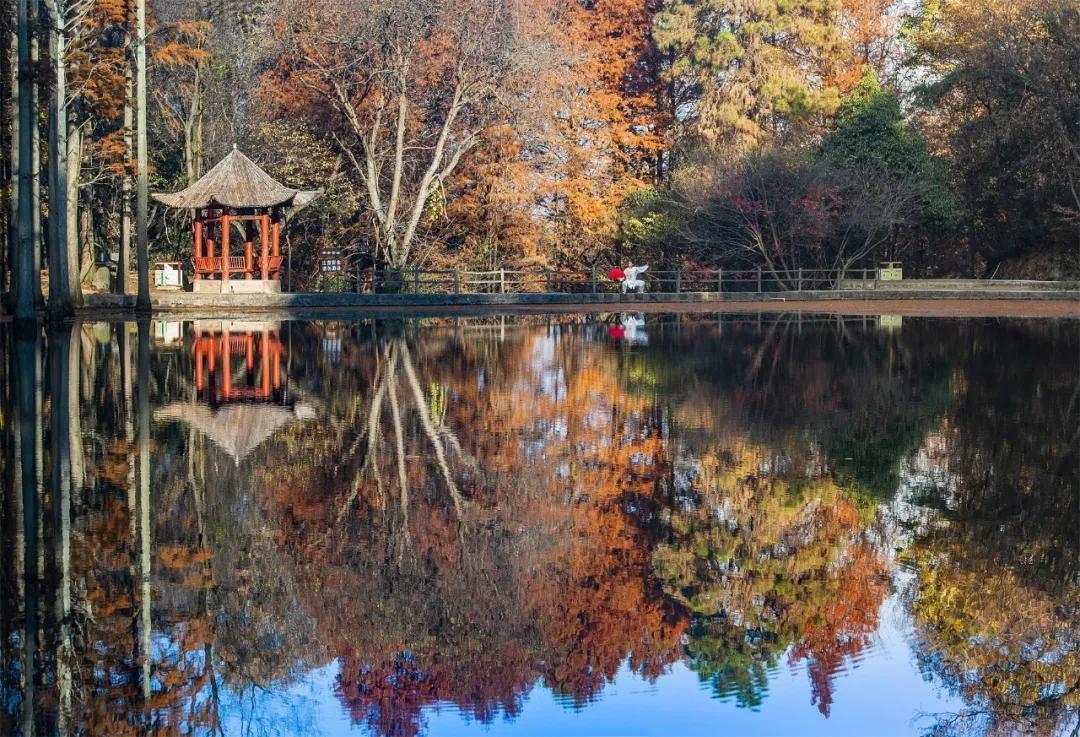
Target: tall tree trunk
[193, 129]
[144, 502]
[9, 131]
[123, 262]
[63, 347]
[78, 266]
[61, 292]
[35, 93]
[142, 176]
[86, 235]
[75, 447]
[14, 493]
[123, 345]
[27, 362]
[22, 256]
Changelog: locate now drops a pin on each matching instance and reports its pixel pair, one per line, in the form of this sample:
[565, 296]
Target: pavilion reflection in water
[242, 395]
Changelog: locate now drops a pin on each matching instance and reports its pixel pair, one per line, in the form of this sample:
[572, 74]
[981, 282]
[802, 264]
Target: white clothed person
[633, 281]
[634, 325]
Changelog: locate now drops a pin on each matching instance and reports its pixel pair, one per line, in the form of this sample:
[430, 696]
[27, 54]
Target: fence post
[502, 281]
[547, 280]
[416, 279]
[719, 281]
[759, 279]
[358, 277]
[798, 283]
[592, 281]
[457, 282]
[678, 280]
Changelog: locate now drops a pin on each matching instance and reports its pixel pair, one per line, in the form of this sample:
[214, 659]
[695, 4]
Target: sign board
[330, 261]
[168, 275]
[891, 271]
[168, 333]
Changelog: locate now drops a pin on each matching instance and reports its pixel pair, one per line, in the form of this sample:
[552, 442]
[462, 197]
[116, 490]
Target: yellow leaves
[179, 54]
[196, 31]
[768, 68]
[1006, 641]
[181, 557]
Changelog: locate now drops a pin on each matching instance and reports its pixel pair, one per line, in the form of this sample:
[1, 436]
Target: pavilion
[237, 191]
[241, 397]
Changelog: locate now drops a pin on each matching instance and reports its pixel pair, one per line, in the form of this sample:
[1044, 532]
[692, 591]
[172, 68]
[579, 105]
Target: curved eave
[296, 200]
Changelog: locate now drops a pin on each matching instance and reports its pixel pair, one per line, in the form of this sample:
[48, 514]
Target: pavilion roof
[238, 429]
[237, 181]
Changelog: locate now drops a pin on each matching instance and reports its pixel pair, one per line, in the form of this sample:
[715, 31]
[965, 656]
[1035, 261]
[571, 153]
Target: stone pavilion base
[236, 286]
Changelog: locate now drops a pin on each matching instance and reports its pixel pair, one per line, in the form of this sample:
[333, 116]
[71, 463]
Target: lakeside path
[923, 307]
[901, 307]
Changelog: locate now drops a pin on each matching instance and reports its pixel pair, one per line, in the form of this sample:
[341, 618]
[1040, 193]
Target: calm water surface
[603, 525]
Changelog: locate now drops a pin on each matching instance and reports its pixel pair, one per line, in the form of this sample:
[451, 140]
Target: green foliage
[649, 224]
[734, 662]
[1000, 83]
[756, 70]
[868, 451]
[873, 135]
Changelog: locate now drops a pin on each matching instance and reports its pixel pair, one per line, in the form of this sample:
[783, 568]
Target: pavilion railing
[676, 281]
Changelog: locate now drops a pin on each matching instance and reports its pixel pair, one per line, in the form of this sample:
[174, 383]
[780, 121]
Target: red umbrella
[616, 274]
[616, 332]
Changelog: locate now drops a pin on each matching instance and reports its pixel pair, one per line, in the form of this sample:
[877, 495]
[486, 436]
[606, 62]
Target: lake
[542, 525]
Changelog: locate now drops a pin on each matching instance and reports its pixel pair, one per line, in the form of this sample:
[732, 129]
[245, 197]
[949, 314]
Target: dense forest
[780, 134]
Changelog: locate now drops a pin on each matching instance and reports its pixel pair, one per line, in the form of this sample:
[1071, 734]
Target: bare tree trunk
[78, 249]
[74, 418]
[9, 126]
[123, 264]
[35, 94]
[63, 347]
[22, 256]
[17, 382]
[193, 129]
[86, 235]
[123, 345]
[405, 541]
[144, 501]
[142, 176]
[429, 429]
[397, 221]
[62, 292]
[27, 361]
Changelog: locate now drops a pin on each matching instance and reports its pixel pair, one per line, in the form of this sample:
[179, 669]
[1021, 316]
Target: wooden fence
[511, 281]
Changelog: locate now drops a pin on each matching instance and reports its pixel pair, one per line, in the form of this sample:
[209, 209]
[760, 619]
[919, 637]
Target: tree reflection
[459, 516]
[997, 596]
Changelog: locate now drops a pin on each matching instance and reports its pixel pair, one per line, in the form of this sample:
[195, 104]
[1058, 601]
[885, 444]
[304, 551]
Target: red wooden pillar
[264, 360]
[198, 365]
[249, 344]
[264, 238]
[198, 248]
[226, 359]
[224, 249]
[209, 231]
[276, 242]
[249, 256]
[276, 349]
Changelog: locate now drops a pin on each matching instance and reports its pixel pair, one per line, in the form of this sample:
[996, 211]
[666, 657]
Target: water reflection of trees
[464, 575]
[472, 515]
[997, 594]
